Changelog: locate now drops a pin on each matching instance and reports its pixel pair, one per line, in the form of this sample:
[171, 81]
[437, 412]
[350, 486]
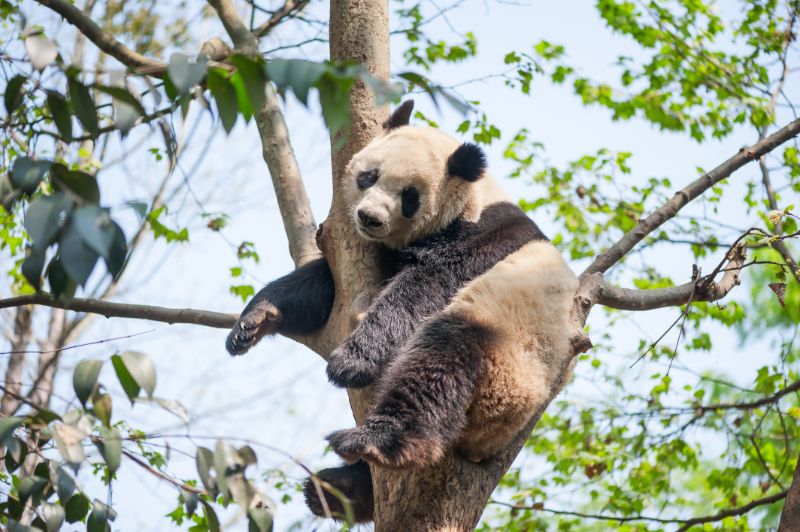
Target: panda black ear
[467, 162]
[400, 117]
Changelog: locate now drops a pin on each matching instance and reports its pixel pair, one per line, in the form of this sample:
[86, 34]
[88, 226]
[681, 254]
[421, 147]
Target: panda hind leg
[424, 396]
[354, 481]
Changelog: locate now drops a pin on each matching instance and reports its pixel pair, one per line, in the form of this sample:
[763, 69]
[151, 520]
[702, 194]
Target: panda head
[410, 182]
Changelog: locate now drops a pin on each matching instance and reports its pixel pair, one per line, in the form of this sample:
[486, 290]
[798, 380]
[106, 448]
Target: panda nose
[368, 220]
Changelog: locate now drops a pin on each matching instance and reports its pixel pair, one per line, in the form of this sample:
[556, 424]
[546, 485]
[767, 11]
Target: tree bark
[790, 516]
[16, 362]
[450, 496]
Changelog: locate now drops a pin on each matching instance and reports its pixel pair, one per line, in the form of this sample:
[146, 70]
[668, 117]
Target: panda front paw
[348, 370]
[258, 319]
[386, 446]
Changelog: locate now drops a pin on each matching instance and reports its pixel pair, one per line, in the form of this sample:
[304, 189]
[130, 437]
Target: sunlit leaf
[225, 96]
[41, 50]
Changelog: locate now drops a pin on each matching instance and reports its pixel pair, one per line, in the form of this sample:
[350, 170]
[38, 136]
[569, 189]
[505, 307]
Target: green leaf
[123, 95]
[16, 451]
[95, 228]
[102, 406]
[142, 369]
[59, 110]
[237, 81]
[80, 184]
[76, 256]
[211, 517]
[60, 283]
[335, 99]
[296, 74]
[190, 501]
[127, 107]
[7, 427]
[31, 486]
[100, 516]
[185, 75]
[224, 95]
[76, 508]
[118, 252]
[26, 174]
[53, 515]
[110, 447]
[31, 267]
[254, 78]
[125, 378]
[62, 482]
[84, 378]
[15, 93]
[83, 106]
[205, 461]
[44, 218]
[140, 207]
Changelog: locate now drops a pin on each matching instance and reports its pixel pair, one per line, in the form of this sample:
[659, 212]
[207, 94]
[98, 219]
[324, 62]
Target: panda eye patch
[367, 179]
[410, 201]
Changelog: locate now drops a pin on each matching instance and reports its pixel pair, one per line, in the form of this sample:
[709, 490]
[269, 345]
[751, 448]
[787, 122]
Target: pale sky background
[277, 394]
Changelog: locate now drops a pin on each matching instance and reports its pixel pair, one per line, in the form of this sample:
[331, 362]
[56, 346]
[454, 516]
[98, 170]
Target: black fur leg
[424, 396]
[383, 442]
[349, 368]
[354, 481]
[297, 303]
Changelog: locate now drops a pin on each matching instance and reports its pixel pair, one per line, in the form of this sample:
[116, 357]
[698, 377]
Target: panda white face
[400, 188]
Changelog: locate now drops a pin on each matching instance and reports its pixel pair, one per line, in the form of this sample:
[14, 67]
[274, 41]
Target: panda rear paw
[346, 370]
[386, 446]
[258, 319]
[354, 482]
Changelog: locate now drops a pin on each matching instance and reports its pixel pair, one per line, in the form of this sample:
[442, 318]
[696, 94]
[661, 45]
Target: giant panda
[467, 338]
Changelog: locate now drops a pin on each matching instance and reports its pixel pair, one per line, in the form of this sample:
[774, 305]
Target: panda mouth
[368, 233]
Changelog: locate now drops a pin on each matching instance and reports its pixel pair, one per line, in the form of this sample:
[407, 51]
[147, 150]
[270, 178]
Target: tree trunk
[452, 495]
[16, 361]
[790, 516]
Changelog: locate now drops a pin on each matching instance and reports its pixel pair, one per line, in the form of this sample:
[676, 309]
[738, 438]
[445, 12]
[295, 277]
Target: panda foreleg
[353, 481]
[413, 294]
[423, 397]
[297, 303]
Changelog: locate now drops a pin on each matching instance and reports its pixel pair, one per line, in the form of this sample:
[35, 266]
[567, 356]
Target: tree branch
[290, 7]
[601, 292]
[104, 40]
[127, 310]
[733, 512]
[685, 523]
[607, 259]
[298, 220]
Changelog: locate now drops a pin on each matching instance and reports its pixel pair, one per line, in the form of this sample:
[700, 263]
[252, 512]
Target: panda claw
[257, 320]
